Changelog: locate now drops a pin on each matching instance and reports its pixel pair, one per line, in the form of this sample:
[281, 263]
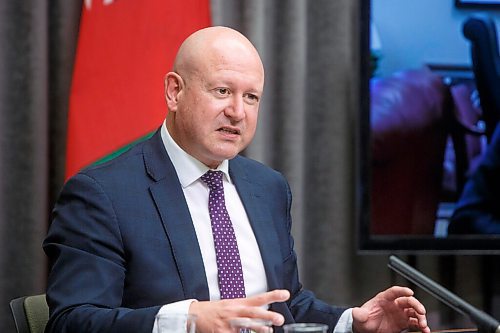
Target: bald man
[135, 237]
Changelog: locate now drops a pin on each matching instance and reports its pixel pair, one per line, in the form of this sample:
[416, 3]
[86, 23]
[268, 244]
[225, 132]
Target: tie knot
[213, 179]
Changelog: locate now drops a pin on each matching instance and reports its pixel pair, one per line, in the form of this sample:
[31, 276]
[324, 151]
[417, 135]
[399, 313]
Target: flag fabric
[125, 47]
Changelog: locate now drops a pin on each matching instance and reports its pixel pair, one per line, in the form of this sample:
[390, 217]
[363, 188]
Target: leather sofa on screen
[410, 117]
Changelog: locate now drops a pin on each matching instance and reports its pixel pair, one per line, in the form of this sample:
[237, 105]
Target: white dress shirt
[189, 170]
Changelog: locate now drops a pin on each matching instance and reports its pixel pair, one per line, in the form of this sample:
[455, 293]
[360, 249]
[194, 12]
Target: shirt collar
[188, 168]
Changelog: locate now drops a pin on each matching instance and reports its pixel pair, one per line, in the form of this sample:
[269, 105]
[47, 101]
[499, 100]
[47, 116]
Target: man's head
[213, 94]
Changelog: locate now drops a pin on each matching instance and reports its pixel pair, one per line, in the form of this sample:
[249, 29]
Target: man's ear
[173, 86]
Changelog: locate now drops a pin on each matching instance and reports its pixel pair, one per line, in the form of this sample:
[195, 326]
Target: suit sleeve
[85, 250]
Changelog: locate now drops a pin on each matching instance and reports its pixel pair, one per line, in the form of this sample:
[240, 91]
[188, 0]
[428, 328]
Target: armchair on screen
[467, 137]
[480, 30]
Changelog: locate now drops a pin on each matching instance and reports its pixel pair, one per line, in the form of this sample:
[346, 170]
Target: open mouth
[229, 130]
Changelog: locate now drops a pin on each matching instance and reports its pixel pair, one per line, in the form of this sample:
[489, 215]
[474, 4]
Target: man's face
[216, 111]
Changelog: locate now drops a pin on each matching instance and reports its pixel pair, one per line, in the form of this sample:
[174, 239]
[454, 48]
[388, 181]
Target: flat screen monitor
[417, 84]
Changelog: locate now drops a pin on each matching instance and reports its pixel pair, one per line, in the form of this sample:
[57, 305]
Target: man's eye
[252, 97]
[223, 91]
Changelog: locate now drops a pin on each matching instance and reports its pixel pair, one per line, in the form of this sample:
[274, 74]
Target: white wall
[418, 32]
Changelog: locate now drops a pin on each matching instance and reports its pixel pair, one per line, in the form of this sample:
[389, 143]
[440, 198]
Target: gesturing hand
[392, 310]
[214, 316]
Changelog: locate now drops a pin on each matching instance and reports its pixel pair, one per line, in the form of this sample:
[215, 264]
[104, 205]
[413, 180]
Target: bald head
[212, 46]
[213, 94]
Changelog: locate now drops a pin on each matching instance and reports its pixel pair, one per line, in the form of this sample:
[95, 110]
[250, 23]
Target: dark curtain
[306, 130]
[38, 40]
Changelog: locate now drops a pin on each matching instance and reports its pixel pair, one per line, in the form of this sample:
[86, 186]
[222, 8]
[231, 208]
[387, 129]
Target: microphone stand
[485, 323]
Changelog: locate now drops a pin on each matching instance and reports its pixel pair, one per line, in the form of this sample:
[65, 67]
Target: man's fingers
[413, 323]
[257, 312]
[278, 295]
[253, 306]
[416, 319]
[411, 302]
[396, 291]
[251, 325]
[216, 315]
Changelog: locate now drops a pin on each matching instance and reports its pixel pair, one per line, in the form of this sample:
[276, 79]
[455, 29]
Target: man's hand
[214, 316]
[392, 310]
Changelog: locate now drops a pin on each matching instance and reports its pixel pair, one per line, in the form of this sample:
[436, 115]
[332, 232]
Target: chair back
[30, 313]
[481, 31]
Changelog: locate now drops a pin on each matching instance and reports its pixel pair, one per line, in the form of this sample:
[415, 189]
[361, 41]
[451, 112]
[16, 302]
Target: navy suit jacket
[122, 244]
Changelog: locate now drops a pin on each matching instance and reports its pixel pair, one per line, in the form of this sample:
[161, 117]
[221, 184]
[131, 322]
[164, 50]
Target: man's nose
[236, 109]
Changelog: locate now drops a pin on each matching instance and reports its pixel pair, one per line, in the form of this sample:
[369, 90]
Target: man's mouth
[229, 130]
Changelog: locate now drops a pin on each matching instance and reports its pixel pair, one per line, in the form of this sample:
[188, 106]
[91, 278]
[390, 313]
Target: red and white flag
[125, 48]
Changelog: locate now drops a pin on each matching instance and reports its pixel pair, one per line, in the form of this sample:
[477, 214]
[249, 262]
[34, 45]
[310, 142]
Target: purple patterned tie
[229, 268]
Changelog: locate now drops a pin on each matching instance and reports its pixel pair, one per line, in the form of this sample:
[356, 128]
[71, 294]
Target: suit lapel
[171, 204]
[256, 201]
[169, 199]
